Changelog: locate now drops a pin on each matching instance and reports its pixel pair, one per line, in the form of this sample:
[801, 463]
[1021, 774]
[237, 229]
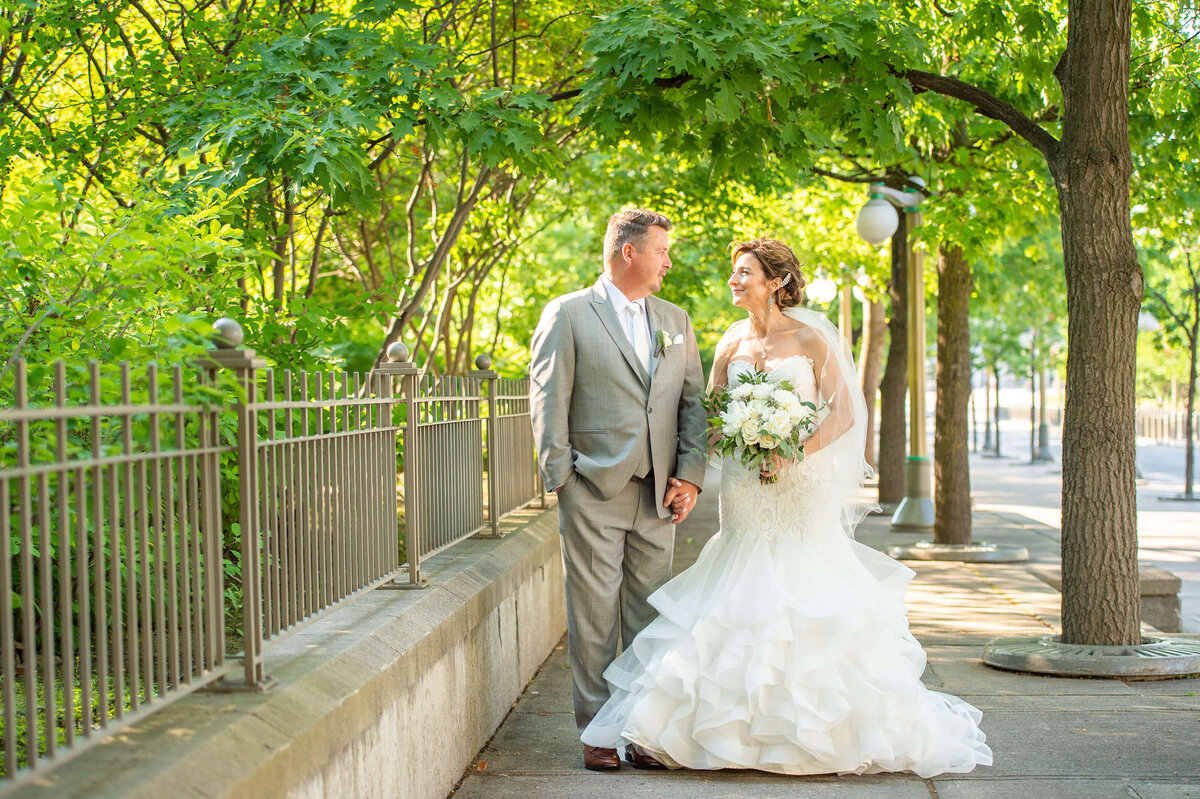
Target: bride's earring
[770, 301]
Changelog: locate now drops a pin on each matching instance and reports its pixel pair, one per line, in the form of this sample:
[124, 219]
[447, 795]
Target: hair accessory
[787, 278]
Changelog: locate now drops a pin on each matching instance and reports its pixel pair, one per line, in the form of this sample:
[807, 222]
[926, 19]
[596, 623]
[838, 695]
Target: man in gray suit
[615, 388]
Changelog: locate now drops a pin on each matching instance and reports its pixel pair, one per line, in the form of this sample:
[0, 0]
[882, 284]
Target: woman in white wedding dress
[785, 647]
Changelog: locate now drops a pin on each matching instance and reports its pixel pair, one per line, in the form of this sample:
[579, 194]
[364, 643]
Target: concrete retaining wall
[391, 696]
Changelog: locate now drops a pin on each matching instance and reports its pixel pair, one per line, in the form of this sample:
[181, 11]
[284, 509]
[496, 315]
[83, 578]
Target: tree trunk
[892, 438]
[951, 470]
[1189, 430]
[974, 417]
[1091, 168]
[870, 365]
[410, 306]
[987, 409]
[1033, 398]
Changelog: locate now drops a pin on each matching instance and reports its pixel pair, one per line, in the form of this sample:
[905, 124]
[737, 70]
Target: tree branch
[316, 254]
[988, 105]
[166, 40]
[847, 178]
[1166, 306]
[495, 47]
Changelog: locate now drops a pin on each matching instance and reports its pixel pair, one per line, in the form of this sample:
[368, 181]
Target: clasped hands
[680, 498]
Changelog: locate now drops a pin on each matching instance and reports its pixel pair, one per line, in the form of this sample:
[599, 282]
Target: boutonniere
[666, 341]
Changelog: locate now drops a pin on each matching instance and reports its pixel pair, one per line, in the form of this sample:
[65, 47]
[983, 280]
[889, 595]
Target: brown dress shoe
[640, 758]
[599, 758]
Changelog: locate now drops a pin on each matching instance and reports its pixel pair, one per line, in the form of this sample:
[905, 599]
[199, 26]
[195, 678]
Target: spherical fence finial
[397, 352]
[483, 362]
[227, 333]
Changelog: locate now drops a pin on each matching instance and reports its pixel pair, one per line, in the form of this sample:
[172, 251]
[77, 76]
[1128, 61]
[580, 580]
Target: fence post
[229, 354]
[398, 365]
[486, 376]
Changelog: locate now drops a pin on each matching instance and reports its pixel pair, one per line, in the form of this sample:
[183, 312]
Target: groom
[615, 385]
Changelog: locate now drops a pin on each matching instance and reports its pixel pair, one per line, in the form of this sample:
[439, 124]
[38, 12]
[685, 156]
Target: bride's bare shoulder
[805, 340]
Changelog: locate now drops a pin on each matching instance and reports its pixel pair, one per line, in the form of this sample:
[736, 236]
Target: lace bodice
[792, 506]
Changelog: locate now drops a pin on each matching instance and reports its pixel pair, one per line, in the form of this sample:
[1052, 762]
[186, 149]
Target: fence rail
[158, 523]
[1166, 425]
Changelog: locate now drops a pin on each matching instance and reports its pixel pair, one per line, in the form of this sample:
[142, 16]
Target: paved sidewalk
[1168, 530]
[1051, 737]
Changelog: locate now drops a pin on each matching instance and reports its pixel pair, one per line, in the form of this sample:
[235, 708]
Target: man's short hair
[630, 227]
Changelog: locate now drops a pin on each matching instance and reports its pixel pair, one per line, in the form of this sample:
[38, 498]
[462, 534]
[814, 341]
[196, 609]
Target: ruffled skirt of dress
[787, 654]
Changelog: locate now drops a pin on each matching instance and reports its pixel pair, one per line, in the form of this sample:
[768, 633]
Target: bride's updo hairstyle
[778, 261]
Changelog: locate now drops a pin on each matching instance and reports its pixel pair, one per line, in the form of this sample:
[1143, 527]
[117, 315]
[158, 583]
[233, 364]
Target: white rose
[759, 409]
[750, 432]
[735, 414]
[733, 417]
[782, 397]
[763, 391]
[779, 424]
[741, 392]
[766, 442]
[798, 415]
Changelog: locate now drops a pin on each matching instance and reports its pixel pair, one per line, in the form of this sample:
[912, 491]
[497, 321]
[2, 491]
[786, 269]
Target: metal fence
[447, 427]
[1166, 425]
[512, 479]
[1054, 416]
[111, 598]
[156, 531]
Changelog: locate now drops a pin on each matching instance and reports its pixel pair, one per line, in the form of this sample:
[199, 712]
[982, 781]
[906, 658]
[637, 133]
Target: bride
[785, 647]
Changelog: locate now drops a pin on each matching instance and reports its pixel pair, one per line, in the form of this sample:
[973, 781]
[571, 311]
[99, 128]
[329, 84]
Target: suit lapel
[608, 316]
[652, 314]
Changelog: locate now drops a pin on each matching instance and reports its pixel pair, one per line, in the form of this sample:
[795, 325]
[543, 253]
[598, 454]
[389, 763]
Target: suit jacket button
[649, 410]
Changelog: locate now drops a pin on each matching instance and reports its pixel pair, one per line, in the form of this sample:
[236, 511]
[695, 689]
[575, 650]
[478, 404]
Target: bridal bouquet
[752, 421]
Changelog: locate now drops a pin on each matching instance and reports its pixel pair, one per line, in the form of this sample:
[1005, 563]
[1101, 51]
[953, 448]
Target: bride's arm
[718, 378]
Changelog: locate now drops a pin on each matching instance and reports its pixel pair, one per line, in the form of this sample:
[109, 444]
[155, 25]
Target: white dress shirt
[632, 313]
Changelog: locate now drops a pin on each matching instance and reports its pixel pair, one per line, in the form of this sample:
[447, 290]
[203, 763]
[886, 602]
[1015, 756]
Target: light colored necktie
[640, 335]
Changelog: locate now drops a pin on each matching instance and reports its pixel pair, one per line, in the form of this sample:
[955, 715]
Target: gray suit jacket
[589, 396]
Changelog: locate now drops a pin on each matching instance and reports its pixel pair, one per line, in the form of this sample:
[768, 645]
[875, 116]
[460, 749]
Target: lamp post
[846, 313]
[876, 222]
[916, 512]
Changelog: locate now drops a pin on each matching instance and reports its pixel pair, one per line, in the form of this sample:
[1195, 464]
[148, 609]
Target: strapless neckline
[751, 367]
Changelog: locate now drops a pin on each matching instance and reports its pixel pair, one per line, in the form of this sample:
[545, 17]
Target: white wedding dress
[785, 647]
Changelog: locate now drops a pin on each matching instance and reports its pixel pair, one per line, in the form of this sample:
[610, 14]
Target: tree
[893, 443]
[1175, 297]
[357, 140]
[652, 76]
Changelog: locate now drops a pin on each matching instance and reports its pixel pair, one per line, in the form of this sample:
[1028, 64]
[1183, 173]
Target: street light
[916, 512]
[876, 222]
[821, 290]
